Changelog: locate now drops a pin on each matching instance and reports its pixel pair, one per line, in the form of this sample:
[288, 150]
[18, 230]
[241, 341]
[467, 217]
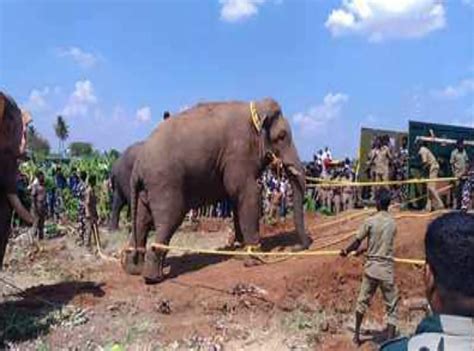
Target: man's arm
[354, 245]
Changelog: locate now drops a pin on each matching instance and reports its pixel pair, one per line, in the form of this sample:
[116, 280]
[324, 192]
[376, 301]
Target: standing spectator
[51, 193]
[449, 286]
[371, 164]
[400, 165]
[459, 161]
[348, 192]
[467, 189]
[284, 184]
[91, 217]
[381, 161]
[60, 179]
[73, 182]
[38, 194]
[380, 231]
[429, 161]
[81, 195]
[337, 193]
[326, 159]
[61, 183]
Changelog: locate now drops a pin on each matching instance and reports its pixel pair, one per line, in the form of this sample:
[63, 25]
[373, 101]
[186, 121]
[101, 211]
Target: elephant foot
[153, 268]
[304, 246]
[133, 260]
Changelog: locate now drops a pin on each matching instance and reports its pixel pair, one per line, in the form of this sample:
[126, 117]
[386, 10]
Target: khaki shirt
[91, 203]
[381, 159]
[459, 162]
[428, 158]
[380, 231]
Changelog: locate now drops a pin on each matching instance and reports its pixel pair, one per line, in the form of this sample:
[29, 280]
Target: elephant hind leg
[134, 256]
[118, 203]
[168, 214]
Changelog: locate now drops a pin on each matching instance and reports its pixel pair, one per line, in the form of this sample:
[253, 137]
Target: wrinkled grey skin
[120, 178]
[12, 147]
[208, 153]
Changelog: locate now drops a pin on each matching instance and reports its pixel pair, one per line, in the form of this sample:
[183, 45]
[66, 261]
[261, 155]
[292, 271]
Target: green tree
[113, 154]
[80, 149]
[37, 144]
[62, 131]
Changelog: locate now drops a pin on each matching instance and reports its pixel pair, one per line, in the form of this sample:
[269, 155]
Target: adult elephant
[13, 124]
[208, 153]
[120, 179]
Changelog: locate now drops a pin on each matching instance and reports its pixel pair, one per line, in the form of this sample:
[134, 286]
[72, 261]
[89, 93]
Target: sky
[112, 67]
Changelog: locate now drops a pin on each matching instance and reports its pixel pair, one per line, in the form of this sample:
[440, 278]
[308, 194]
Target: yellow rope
[331, 183]
[255, 119]
[308, 253]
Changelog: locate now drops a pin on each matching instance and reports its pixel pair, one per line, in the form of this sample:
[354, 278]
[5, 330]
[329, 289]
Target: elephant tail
[136, 183]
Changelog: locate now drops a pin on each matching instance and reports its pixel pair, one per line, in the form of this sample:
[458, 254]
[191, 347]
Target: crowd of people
[386, 162]
[47, 200]
[331, 197]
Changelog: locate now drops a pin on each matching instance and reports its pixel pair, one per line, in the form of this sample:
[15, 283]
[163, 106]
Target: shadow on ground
[34, 311]
[193, 262]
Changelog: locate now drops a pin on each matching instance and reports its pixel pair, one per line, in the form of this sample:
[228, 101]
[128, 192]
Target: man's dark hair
[460, 142]
[83, 176]
[449, 245]
[166, 115]
[383, 198]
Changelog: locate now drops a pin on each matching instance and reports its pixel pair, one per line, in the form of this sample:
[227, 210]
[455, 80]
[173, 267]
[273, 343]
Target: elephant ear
[270, 112]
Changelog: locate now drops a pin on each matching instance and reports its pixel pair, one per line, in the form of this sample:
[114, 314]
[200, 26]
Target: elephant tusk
[20, 209]
[294, 171]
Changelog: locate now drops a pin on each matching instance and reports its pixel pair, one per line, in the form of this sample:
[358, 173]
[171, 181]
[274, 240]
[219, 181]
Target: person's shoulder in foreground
[449, 283]
[437, 332]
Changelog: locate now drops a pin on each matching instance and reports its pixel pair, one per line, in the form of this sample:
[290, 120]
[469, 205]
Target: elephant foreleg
[5, 226]
[239, 237]
[248, 211]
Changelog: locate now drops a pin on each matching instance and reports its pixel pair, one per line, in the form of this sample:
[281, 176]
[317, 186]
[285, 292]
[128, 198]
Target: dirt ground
[74, 300]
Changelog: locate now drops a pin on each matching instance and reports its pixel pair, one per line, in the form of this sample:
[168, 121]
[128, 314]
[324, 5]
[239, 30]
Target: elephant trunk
[20, 209]
[298, 186]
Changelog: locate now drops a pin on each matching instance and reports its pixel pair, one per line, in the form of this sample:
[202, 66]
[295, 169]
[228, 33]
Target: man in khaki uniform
[429, 161]
[380, 158]
[380, 231]
[459, 161]
[40, 208]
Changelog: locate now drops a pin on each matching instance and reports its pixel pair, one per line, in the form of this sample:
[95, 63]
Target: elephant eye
[282, 135]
